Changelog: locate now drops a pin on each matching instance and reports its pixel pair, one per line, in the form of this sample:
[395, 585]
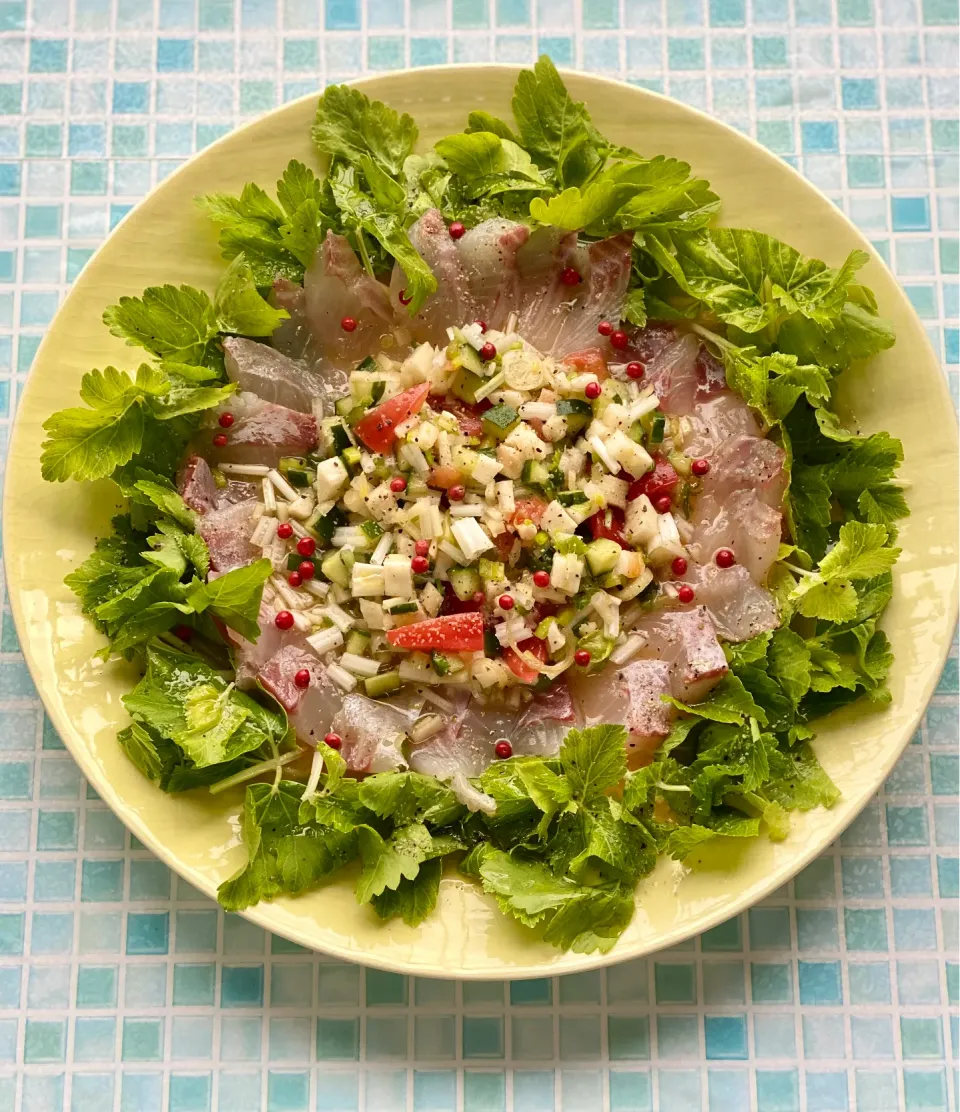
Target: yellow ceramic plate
[49, 529]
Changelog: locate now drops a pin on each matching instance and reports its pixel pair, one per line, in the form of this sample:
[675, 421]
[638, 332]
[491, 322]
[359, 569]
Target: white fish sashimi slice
[263, 432]
[196, 486]
[673, 375]
[544, 299]
[249, 656]
[276, 378]
[738, 607]
[543, 724]
[293, 337]
[715, 420]
[372, 732]
[741, 523]
[488, 253]
[336, 287]
[629, 696]
[452, 304]
[646, 343]
[687, 640]
[227, 533]
[747, 463]
[600, 295]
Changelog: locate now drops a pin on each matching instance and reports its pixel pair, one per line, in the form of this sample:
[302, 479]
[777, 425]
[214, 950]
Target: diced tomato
[467, 414]
[535, 647]
[529, 509]
[443, 478]
[376, 429]
[590, 361]
[661, 480]
[458, 633]
[608, 525]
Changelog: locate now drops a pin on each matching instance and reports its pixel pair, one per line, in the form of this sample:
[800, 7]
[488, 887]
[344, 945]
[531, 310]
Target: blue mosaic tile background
[124, 990]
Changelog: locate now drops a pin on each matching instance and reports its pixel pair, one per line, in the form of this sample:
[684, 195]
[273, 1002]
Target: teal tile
[241, 1038]
[580, 988]
[146, 985]
[817, 929]
[338, 1039]
[241, 986]
[101, 881]
[918, 982]
[725, 1037]
[677, 1036]
[865, 928]
[723, 982]
[925, 1090]
[769, 928]
[45, 1040]
[628, 1037]
[51, 932]
[148, 932]
[778, 1090]
[291, 986]
[96, 986]
[921, 1037]
[531, 1038]
[149, 880]
[195, 932]
[675, 983]
[190, 1092]
[57, 830]
[579, 1038]
[483, 1036]
[48, 987]
[386, 1038]
[193, 984]
[338, 984]
[435, 1037]
[290, 1038]
[484, 1092]
[531, 992]
[477, 993]
[385, 988]
[817, 881]
[724, 938]
[287, 1092]
[628, 982]
[95, 1039]
[869, 982]
[142, 1040]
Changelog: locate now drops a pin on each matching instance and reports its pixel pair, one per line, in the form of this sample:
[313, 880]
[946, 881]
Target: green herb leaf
[594, 759]
[239, 307]
[176, 323]
[412, 900]
[235, 597]
[349, 125]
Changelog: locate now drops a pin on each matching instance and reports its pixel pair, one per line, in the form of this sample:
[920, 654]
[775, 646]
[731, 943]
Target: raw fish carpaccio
[516, 281]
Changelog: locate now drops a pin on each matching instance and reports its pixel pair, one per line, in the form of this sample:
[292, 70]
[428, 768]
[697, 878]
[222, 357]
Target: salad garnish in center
[495, 509]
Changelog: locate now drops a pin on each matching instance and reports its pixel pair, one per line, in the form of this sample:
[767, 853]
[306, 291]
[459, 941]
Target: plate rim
[261, 913]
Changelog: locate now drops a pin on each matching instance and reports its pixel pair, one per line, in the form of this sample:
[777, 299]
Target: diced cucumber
[465, 386]
[294, 560]
[500, 421]
[466, 356]
[347, 558]
[658, 428]
[611, 581]
[371, 529]
[334, 569]
[491, 646]
[321, 526]
[376, 391]
[465, 582]
[358, 641]
[341, 438]
[351, 459]
[219, 479]
[344, 405]
[543, 629]
[301, 477]
[416, 488]
[441, 663]
[577, 412]
[602, 555]
[385, 684]
[572, 498]
[402, 607]
[368, 364]
[492, 571]
[535, 473]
